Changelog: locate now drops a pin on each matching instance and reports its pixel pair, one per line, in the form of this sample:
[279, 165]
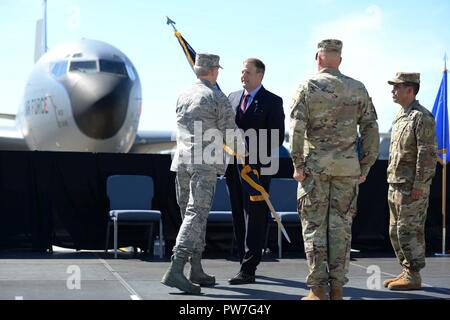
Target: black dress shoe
[242, 278]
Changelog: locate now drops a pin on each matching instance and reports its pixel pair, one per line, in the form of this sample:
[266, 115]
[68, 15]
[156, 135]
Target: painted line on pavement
[133, 294]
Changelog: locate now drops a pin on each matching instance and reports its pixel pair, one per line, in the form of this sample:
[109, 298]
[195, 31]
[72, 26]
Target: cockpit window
[131, 72]
[83, 66]
[59, 69]
[116, 67]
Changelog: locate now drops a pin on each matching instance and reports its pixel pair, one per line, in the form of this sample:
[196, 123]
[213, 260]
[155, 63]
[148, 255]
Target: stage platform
[93, 275]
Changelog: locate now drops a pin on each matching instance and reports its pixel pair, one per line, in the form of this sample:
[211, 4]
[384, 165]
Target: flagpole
[444, 202]
[444, 163]
[444, 170]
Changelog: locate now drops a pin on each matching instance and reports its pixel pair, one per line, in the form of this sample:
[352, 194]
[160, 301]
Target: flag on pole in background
[440, 113]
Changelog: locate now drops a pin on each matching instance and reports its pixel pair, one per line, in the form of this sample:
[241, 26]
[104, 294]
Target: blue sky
[380, 38]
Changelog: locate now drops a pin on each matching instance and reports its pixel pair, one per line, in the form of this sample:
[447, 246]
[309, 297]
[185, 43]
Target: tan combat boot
[388, 281]
[174, 277]
[197, 275]
[336, 293]
[316, 293]
[410, 281]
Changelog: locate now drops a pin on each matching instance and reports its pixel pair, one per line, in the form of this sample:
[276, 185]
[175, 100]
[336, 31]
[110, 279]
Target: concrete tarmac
[90, 275]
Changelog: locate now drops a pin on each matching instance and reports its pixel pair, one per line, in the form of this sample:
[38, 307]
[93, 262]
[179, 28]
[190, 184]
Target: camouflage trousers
[407, 224]
[327, 206]
[195, 187]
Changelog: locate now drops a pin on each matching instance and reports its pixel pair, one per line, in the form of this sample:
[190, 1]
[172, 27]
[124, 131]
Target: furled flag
[440, 113]
[187, 49]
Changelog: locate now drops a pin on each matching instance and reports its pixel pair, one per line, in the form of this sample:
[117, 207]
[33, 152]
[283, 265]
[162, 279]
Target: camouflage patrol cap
[330, 45]
[206, 60]
[403, 77]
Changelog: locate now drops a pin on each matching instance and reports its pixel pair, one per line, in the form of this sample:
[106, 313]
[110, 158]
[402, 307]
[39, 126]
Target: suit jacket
[265, 112]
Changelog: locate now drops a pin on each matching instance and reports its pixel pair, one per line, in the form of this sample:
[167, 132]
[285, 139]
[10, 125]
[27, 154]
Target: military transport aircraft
[81, 96]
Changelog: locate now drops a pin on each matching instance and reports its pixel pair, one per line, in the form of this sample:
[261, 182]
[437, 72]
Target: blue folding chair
[130, 199]
[220, 213]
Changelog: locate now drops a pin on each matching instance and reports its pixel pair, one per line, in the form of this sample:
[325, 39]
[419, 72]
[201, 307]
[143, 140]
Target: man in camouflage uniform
[325, 115]
[200, 108]
[412, 165]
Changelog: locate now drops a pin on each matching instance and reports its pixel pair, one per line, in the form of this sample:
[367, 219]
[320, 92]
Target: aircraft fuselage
[81, 96]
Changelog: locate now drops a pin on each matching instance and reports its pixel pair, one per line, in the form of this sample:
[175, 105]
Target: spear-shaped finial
[172, 23]
[445, 62]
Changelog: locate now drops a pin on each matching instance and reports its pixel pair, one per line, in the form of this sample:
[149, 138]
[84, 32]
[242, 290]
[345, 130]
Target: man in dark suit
[259, 113]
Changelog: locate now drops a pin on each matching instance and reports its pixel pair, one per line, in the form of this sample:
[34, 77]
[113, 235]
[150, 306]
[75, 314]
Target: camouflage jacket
[202, 108]
[325, 115]
[413, 147]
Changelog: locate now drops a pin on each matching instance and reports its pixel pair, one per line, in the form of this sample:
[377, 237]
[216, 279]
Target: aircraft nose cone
[99, 102]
